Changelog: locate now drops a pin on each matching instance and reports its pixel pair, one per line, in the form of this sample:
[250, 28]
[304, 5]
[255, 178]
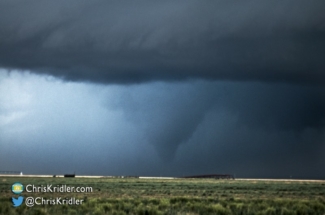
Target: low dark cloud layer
[171, 116]
[132, 42]
[164, 129]
[252, 129]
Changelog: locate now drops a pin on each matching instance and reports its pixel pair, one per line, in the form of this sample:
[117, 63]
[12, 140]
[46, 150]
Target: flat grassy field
[178, 196]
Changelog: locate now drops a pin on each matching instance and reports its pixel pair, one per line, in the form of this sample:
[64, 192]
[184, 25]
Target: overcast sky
[163, 88]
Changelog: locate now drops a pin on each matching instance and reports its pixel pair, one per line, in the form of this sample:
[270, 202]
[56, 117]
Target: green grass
[180, 196]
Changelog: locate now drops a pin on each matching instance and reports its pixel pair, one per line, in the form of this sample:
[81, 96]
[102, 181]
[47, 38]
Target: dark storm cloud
[169, 115]
[261, 119]
[131, 42]
[279, 106]
[252, 129]
[253, 101]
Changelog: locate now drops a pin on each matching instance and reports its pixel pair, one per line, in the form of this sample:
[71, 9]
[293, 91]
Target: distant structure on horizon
[70, 175]
[11, 172]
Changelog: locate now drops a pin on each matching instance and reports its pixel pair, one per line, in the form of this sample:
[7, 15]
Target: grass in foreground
[179, 196]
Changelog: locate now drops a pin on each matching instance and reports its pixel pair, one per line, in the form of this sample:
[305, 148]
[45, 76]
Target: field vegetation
[179, 197]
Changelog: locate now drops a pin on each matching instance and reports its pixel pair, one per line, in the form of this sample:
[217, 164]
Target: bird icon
[17, 202]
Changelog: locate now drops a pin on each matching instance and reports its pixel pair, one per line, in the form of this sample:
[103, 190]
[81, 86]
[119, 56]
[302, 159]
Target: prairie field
[178, 196]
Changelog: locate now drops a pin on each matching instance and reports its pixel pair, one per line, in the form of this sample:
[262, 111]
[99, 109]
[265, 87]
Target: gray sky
[163, 88]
